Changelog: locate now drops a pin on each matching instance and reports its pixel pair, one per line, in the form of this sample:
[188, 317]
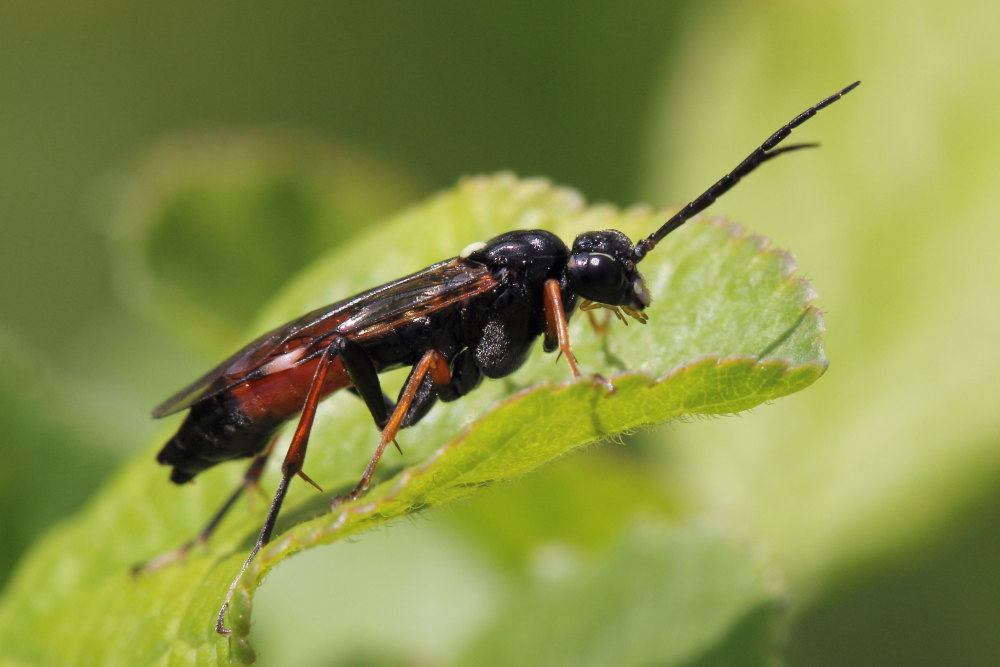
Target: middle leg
[432, 365]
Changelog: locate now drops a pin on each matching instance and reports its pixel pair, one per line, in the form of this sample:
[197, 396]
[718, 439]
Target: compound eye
[598, 277]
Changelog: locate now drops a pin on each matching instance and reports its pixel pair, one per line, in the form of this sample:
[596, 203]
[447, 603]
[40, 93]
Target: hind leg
[250, 481]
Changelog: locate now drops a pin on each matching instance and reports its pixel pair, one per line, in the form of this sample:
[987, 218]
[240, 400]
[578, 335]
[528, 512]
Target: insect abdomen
[214, 431]
[238, 423]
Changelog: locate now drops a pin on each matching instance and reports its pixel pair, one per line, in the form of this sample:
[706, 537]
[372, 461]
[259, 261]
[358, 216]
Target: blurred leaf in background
[872, 498]
[211, 225]
[880, 462]
[39, 435]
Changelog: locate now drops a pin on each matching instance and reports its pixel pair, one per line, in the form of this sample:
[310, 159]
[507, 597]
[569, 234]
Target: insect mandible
[454, 323]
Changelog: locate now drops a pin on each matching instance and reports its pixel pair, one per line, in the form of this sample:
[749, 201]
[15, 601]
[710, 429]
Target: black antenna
[762, 154]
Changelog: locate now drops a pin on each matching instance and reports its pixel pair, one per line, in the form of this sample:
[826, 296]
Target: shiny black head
[602, 270]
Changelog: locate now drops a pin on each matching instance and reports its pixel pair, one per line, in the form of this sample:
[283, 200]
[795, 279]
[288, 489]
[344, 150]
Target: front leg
[556, 325]
[557, 330]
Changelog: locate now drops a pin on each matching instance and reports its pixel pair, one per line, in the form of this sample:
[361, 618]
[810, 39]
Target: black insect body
[473, 316]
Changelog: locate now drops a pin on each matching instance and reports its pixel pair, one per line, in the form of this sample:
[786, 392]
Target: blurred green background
[166, 168]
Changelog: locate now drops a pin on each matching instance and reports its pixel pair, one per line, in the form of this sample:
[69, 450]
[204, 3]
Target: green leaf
[731, 327]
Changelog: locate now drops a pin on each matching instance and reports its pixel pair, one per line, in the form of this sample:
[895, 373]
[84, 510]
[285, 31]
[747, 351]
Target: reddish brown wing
[358, 317]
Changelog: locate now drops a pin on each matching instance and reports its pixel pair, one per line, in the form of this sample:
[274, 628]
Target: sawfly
[452, 324]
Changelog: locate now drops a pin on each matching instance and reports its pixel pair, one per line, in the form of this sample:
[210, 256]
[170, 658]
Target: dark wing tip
[182, 400]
